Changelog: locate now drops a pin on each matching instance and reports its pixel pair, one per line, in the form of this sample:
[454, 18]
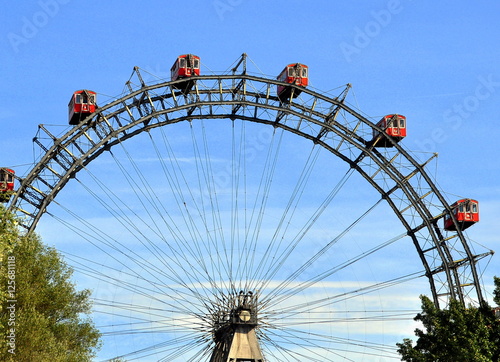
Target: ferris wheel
[237, 217]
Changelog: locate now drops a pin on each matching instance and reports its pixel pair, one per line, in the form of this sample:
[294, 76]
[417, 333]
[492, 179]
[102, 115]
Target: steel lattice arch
[401, 181]
[328, 121]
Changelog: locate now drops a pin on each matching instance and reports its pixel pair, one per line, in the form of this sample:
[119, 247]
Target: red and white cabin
[297, 74]
[6, 183]
[185, 66]
[394, 125]
[82, 103]
[465, 212]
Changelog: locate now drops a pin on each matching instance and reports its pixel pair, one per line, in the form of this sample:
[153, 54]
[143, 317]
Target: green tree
[454, 334]
[43, 317]
[496, 292]
[495, 333]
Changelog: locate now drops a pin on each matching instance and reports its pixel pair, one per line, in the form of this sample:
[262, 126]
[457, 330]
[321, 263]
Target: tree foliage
[43, 317]
[496, 292]
[454, 334]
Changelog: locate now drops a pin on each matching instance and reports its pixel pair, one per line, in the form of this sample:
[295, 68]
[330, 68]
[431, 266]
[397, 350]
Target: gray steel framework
[449, 263]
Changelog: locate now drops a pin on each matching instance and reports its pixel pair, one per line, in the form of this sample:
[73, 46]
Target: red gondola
[297, 74]
[6, 184]
[465, 212]
[82, 103]
[185, 66]
[394, 126]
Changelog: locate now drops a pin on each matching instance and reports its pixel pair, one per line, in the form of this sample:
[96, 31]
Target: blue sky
[435, 62]
[411, 57]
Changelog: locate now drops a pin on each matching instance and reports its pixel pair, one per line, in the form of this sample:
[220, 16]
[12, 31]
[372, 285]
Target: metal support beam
[234, 330]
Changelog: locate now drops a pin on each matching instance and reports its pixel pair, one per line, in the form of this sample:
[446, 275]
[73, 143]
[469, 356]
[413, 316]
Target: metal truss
[326, 120]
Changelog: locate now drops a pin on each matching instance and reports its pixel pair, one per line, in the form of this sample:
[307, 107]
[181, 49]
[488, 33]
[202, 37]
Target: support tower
[235, 330]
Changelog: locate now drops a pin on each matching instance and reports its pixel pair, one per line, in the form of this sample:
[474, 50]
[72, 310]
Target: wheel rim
[327, 124]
